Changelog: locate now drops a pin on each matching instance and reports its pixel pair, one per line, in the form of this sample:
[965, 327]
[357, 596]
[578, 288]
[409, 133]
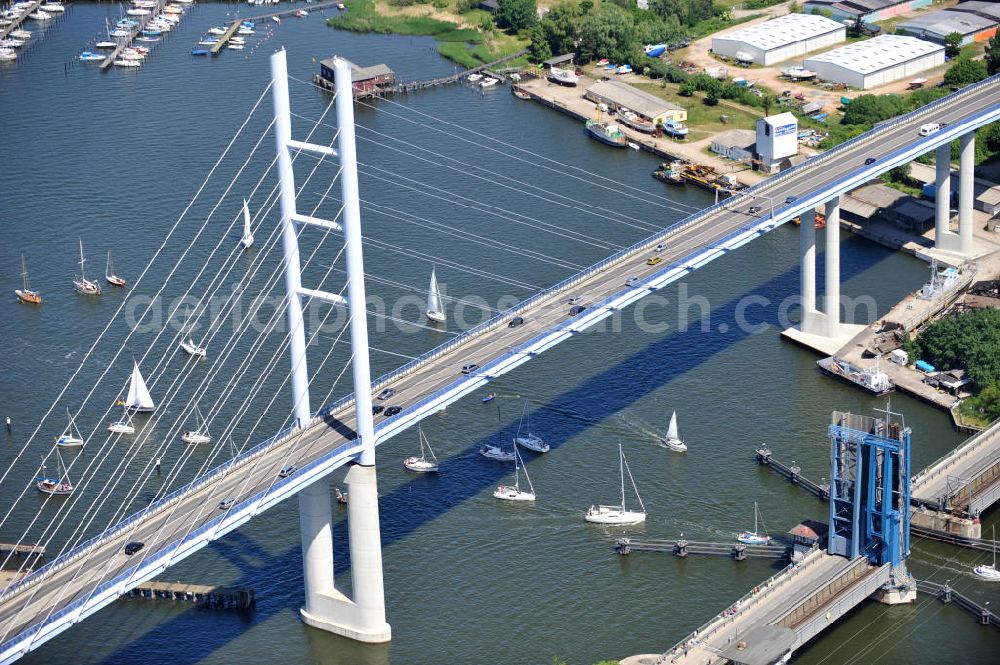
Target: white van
[929, 128]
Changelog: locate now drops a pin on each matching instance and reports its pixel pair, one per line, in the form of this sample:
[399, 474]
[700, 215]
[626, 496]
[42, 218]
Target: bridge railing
[935, 469]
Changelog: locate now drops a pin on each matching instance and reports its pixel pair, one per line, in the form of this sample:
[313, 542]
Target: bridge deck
[92, 575]
[966, 479]
[790, 599]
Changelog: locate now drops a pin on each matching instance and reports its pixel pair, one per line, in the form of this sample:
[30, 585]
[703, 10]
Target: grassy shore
[462, 42]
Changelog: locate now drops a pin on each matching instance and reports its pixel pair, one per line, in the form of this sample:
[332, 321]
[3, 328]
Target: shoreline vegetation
[618, 30]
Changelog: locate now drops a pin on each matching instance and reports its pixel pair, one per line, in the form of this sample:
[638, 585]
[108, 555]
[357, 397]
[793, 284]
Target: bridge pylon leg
[362, 617]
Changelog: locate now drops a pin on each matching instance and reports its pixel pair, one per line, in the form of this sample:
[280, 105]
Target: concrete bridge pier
[362, 617]
[944, 238]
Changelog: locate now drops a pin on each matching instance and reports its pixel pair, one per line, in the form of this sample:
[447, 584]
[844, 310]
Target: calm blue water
[113, 159]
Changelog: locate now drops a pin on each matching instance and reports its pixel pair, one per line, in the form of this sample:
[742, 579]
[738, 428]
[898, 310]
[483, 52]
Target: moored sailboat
[422, 464]
[84, 285]
[529, 439]
[987, 571]
[435, 310]
[70, 438]
[24, 294]
[123, 425]
[600, 514]
[109, 274]
[60, 484]
[514, 492]
[200, 433]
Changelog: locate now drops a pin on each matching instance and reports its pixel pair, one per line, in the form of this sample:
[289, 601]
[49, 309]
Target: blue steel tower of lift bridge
[870, 488]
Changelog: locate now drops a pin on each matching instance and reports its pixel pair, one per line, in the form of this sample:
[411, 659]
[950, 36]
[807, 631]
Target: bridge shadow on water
[404, 510]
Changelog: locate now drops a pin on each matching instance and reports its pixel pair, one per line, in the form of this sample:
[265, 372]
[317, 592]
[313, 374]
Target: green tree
[953, 44]
[900, 174]
[985, 406]
[698, 10]
[667, 9]
[539, 48]
[993, 55]
[869, 109]
[966, 71]
[516, 14]
[560, 28]
[711, 100]
[586, 6]
[609, 33]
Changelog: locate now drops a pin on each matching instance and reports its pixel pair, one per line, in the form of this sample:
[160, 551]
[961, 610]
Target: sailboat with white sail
[192, 349]
[673, 440]
[84, 285]
[200, 433]
[529, 439]
[514, 492]
[138, 398]
[123, 425]
[247, 239]
[58, 485]
[987, 571]
[619, 514]
[754, 537]
[71, 436]
[422, 464]
[435, 310]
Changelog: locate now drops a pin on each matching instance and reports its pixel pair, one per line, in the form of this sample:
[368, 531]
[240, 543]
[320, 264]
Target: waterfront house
[366, 81]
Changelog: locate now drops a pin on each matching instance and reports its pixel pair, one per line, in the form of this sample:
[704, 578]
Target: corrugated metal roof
[943, 23]
[989, 9]
[361, 73]
[640, 101]
[876, 54]
[783, 30]
[990, 197]
[741, 138]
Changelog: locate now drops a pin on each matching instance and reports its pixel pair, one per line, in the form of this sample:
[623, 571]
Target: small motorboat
[147, 40]
[208, 42]
[301, 13]
[475, 77]
[7, 54]
[245, 31]
[235, 47]
[123, 425]
[489, 397]
[106, 44]
[520, 93]
[488, 82]
[276, 19]
[10, 42]
[341, 496]
[199, 51]
[127, 63]
[20, 34]
[39, 16]
[216, 31]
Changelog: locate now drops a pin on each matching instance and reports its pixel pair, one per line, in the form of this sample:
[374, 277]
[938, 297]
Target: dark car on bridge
[392, 410]
[515, 322]
[226, 504]
[133, 547]
[576, 309]
[791, 199]
[287, 471]
[377, 409]
[870, 161]
[753, 210]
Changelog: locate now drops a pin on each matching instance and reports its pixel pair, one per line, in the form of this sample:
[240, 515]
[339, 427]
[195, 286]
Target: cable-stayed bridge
[94, 572]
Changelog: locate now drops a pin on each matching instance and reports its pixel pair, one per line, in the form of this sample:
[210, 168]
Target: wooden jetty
[413, 86]
[793, 473]
[126, 42]
[235, 25]
[209, 596]
[19, 20]
[681, 548]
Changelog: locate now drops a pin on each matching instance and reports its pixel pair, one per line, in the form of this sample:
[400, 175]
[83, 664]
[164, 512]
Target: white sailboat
[247, 239]
[618, 514]
[435, 310]
[192, 349]
[529, 440]
[123, 425]
[422, 464]
[200, 433]
[673, 441]
[58, 485]
[71, 436]
[986, 571]
[754, 537]
[514, 492]
[84, 285]
[138, 395]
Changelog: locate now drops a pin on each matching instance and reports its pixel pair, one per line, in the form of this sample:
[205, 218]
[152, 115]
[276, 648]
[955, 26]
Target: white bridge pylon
[362, 617]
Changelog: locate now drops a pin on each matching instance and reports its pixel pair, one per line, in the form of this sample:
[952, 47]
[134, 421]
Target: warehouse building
[877, 61]
[618, 95]
[779, 39]
[976, 21]
[735, 144]
[866, 11]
